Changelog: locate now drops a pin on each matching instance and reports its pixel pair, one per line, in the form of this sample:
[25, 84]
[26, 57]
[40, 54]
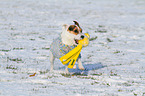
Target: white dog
[66, 42]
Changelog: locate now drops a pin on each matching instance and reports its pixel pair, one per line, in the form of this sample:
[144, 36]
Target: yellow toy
[72, 56]
[84, 42]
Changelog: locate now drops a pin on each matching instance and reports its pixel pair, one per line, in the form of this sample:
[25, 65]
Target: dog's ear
[76, 23]
[65, 26]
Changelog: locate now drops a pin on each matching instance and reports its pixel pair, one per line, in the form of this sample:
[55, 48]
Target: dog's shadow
[88, 67]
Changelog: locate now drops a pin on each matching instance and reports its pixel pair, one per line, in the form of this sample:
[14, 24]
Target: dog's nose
[82, 36]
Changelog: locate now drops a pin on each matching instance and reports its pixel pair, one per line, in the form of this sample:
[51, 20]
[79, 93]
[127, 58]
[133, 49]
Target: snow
[114, 66]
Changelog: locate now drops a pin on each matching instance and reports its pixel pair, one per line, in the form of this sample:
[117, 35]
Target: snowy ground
[27, 28]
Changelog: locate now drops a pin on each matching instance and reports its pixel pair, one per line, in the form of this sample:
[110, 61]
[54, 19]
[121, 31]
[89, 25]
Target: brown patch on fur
[73, 29]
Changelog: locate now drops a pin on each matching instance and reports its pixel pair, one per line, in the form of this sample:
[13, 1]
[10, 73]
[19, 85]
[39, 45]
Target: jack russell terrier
[67, 41]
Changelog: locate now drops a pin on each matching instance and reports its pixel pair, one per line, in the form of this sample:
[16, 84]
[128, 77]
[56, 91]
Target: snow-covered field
[115, 57]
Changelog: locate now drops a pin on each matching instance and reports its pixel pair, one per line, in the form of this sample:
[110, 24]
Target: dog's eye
[76, 31]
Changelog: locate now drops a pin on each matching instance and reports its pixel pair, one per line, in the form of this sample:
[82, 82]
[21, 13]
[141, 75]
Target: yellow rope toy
[72, 56]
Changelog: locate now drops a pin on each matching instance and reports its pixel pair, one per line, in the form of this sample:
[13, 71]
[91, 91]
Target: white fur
[68, 39]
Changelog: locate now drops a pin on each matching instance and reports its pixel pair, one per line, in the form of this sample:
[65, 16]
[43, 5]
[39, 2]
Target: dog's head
[72, 33]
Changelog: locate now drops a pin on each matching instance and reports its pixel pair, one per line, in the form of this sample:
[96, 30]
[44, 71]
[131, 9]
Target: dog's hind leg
[51, 61]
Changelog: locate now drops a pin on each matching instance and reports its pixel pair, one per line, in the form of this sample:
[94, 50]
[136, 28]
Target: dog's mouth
[76, 41]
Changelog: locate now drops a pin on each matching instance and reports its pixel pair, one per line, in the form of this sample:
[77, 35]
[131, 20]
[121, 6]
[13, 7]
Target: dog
[66, 42]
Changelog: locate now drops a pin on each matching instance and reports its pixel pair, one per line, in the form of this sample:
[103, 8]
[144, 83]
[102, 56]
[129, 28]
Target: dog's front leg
[51, 61]
[81, 67]
[66, 70]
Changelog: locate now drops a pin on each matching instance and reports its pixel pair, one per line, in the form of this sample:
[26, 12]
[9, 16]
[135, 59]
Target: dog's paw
[81, 67]
[51, 70]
